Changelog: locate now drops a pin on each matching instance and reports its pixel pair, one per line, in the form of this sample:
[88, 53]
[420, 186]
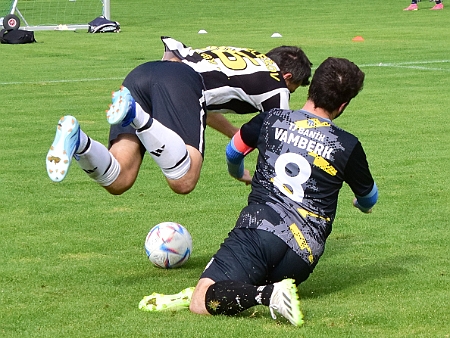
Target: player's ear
[287, 76]
[342, 107]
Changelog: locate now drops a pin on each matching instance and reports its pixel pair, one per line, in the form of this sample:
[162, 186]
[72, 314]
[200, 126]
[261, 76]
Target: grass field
[72, 262]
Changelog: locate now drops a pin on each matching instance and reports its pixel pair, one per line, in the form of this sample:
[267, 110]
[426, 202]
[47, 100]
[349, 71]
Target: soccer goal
[54, 14]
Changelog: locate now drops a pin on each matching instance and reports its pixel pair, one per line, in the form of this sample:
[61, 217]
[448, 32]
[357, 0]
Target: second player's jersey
[303, 161]
[240, 80]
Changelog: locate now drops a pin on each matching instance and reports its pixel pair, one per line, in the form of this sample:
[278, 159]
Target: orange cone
[358, 38]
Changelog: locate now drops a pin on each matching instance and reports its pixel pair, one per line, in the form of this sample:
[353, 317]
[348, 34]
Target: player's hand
[246, 178]
[356, 205]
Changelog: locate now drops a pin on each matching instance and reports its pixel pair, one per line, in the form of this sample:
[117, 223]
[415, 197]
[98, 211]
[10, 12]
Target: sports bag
[103, 25]
[16, 36]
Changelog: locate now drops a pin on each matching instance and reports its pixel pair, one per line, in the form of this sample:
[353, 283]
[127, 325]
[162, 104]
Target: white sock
[99, 163]
[83, 142]
[141, 117]
[167, 149]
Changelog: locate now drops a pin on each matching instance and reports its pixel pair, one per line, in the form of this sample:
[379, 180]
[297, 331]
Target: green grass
[72, 262]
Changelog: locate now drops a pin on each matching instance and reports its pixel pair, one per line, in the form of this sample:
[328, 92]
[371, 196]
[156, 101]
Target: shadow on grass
[331, 277]
[191, 270]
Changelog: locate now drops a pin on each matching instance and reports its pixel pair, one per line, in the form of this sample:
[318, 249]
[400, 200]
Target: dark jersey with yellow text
[302, 163]
[240, 80]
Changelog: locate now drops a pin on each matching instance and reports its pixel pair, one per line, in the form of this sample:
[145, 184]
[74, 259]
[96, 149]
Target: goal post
[55, 14]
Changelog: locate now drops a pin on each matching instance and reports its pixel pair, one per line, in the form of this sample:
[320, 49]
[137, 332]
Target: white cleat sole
[62, 149]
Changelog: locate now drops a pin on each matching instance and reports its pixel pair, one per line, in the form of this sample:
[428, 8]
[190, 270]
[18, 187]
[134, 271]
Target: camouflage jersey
[303, 161]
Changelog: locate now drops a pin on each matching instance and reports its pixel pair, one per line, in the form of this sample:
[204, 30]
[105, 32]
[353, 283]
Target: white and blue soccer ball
[168, 245]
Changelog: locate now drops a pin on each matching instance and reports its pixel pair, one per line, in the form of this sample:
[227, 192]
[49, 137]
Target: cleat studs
[54, 159]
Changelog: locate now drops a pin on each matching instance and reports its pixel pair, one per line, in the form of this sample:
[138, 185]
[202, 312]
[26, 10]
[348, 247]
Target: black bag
[103, 25]
[16, 36]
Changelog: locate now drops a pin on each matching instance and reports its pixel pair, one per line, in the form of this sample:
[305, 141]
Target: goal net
[54, 14]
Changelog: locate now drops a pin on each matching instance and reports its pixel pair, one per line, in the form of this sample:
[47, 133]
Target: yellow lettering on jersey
[301, 241]
[232, 60]
[310, 123]
[245, 56]
[304, 213]
[323, 164]
[275, 76]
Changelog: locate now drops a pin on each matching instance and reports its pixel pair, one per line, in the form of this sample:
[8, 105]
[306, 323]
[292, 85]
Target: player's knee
[118, 188]
[198, 300]
[182, 186]
[115, 191]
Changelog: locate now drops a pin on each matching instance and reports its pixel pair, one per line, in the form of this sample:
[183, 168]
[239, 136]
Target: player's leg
[283, 261]
[171, 126]
[93, 157]
[227, 297]
[116, 171]
[188, 181]
[230, 297]
[126, 148]
[198, 302]
[180, 164]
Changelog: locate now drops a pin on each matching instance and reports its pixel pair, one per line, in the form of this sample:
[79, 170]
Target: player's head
[294, 65]
[335, 82]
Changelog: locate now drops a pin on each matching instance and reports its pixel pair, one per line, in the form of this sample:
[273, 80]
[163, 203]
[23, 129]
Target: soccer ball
[168, 245]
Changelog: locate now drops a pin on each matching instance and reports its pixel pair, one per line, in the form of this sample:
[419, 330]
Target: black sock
[231, 297]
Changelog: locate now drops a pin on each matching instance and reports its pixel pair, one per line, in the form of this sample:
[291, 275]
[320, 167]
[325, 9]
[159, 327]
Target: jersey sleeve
[242, 143]
[235, 154]
[279, 100]
[250, 130]
[357, 173]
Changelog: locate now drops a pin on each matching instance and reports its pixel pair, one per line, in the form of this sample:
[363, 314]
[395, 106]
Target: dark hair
[291, 59]
[335, 81]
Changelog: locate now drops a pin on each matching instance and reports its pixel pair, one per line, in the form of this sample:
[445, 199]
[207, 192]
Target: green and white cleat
[284, 300]
[161, 302]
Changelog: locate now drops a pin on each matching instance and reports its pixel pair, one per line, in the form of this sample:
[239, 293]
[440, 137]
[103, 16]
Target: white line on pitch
[59, 81]
[409, 65]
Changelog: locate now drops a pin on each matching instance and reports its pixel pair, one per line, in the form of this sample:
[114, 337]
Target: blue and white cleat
[66, 142]
[123, 108]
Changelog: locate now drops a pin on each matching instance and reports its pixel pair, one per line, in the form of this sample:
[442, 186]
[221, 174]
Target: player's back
[237, 79]
[302, 161]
